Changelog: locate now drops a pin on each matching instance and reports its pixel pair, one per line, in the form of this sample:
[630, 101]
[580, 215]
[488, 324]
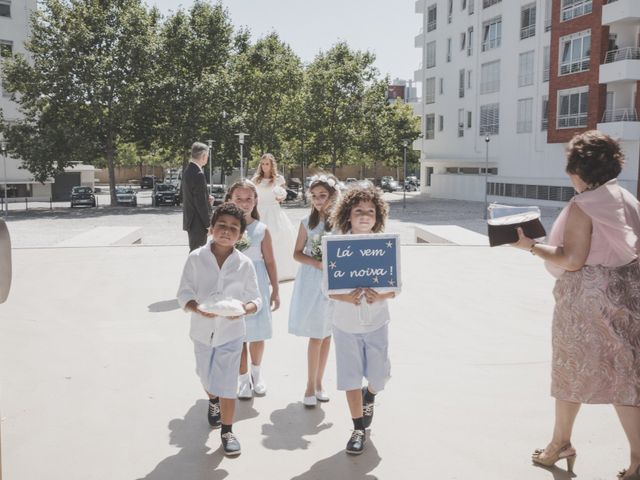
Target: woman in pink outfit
[593, 252]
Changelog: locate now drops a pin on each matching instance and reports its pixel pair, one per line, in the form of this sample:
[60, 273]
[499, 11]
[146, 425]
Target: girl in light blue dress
[258, 247]
[308, 314]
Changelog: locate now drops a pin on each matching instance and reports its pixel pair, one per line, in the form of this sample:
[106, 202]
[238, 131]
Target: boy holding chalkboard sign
[360, 319]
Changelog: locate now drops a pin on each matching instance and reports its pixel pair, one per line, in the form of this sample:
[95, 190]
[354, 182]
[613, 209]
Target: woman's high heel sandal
[622, 475]
[567, 452]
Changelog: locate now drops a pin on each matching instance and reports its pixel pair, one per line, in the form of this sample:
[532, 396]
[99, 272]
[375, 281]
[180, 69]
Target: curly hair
[340, 217]
[232, 210]
[244, 183]
[259, 175]
[330, 184]
[595, 157]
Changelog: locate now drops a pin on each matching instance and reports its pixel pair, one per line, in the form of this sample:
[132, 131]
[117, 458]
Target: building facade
[506, 83]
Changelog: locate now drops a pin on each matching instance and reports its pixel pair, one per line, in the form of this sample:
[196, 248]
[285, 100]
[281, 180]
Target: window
[546, 60]
[429, 126]
[461, 122]
[463, 4]
[469, 41]
[448, 50]
[545, 114]
[572, 107]
[547, 15]
[525, 69]
[525, 113]
[430, 90]
[574, 8]
[468, 119]
[461, 84]
[468, 79]
[490, 119]
[528, 21]
[440, 123]
[450, 11]
[463, 40]
[5, 8]
[441, 89]
[491, 34]
[432, 13]
[471, 2]
[488, 3]
[575, 52]
[6, 48]
[490, 77]
[431, 54]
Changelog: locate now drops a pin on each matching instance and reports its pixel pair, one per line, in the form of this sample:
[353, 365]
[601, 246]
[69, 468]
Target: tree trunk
[112, 169]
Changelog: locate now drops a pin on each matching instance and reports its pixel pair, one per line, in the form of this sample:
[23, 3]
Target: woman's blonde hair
[259, 175]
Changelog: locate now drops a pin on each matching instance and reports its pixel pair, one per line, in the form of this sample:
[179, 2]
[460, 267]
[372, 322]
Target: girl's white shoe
[259, 387]
[310, 401]
[322, 396]
[244, 388]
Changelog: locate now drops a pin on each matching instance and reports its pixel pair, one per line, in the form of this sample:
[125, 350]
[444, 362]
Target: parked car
[351, 180]
[164, 194]
[291, 195]
[148, 181]
[126, 195]
[218, 191]
[389, 184]
[412, 184]
[82, 196]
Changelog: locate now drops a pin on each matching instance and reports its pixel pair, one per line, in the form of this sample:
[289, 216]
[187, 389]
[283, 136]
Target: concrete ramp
[105, 237]
[449, 235]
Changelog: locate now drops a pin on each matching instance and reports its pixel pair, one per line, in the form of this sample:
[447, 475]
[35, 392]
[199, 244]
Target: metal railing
[619, 54]
[528, 31]
[490, 44]
[620, 115]
[431, 25]
[574, 67]
[572, 120]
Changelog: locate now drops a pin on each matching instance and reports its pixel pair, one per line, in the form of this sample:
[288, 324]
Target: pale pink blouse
[615, 215]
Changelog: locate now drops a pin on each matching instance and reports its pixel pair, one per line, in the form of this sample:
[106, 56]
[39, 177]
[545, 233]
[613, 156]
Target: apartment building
[506, 83]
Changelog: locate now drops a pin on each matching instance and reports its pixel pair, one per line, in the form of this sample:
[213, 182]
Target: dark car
[291, 195]
[148, 181]
[218, 192]
[164, 194]
[82, 196]
[126, 195]
[389, 184]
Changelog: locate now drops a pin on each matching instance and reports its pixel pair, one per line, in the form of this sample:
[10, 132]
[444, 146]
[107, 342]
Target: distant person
[196, 202]
[212, 274]
[257, 245]
[271, 193]
[593, 253]
[309, 310]
[361, 333]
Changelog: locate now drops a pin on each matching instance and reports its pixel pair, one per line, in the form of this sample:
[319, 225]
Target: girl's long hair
[330, 184]
[259, 175]
[244, 183]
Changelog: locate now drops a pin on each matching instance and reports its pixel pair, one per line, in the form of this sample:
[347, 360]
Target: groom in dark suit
[195, 198]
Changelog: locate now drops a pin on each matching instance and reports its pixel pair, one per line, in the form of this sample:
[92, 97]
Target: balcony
[621, 123]
[418, 75]
[419, 40]
[418, 107]
[621, 65]
[621, 12]
[421, 6]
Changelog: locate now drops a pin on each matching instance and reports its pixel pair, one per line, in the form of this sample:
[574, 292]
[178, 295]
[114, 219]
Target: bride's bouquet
[244, 243]
[316, 247]
[280, 193]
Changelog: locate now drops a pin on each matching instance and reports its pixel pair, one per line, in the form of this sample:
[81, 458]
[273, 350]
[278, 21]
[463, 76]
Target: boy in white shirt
[213, 272]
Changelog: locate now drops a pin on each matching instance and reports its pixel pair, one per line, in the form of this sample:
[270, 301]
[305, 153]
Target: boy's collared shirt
[361, 318]
[202, 280]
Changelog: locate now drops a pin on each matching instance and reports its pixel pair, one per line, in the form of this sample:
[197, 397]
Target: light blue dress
[258, 325]
[309, 311]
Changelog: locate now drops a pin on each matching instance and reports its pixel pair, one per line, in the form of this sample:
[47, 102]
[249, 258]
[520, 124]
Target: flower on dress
[316, 247]
[244, 243]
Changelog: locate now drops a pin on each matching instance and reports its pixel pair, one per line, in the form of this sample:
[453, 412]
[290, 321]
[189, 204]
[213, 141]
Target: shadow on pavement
[558, 473]
[342, 465]
[245, 410]
[289, 425]
[193, 461]
[164, 306]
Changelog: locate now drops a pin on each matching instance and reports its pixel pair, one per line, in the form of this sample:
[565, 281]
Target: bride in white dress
[271, 191]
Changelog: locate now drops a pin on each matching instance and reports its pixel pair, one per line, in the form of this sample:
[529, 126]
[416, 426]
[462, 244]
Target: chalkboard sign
[360, 261]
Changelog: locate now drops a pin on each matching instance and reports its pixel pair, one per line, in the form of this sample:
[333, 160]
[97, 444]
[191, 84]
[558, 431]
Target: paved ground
[97, 381]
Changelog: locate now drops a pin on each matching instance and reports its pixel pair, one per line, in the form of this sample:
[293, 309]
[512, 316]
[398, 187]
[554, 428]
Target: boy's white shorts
[362, 355]
[218, 367]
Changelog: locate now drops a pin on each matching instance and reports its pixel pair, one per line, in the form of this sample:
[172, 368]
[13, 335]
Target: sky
[384, 27]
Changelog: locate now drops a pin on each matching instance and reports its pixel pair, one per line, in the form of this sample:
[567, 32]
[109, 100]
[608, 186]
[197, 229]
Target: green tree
[91, 63]
[336, 83]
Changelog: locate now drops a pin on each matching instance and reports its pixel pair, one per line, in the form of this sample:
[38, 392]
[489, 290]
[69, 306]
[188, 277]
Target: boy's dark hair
[245, 183]
[595, 157]
[232, 210]
[361, 193]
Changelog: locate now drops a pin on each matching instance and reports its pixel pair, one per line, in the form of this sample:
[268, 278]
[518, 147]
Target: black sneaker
[213, 415]
[355, 445]
[367, 410]
[230, 444]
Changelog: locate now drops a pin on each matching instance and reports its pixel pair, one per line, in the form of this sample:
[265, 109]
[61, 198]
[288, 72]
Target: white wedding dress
[283, 233]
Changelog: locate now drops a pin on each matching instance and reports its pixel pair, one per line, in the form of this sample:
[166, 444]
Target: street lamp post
[405, 144]
[487, 139]
[304, 196]
[241, 141]
[3, 148]
[210, 143]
